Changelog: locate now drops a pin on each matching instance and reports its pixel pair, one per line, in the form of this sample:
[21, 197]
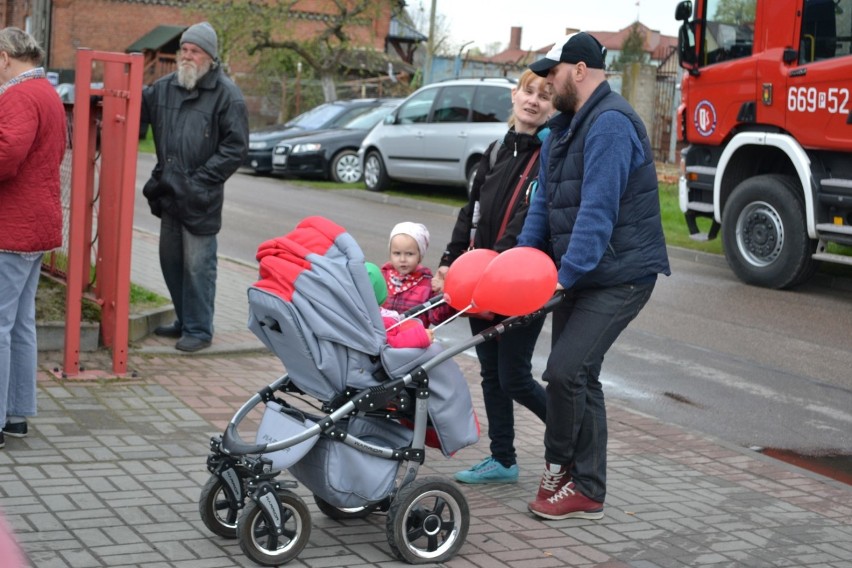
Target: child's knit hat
[416, 231]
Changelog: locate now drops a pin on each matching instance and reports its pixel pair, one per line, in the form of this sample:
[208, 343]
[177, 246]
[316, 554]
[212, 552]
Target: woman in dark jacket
[493, 218]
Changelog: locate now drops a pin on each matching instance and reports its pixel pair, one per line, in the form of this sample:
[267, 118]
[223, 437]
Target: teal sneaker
[489, 470]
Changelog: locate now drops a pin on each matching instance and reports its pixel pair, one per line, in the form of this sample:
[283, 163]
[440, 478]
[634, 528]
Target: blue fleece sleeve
[612, 152]
[536, 231]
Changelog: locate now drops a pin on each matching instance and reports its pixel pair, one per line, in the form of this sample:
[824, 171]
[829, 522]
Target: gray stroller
[377, 409]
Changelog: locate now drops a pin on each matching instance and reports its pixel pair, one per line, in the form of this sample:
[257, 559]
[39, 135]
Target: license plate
[279, 160]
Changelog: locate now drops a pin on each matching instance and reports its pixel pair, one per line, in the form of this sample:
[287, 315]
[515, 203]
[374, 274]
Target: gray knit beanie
[204, 36]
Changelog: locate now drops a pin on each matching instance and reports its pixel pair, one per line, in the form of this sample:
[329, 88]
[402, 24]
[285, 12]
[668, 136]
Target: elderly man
[597, 213]
[200, 126]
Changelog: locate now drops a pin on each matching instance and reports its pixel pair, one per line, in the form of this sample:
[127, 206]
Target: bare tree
[260, 26]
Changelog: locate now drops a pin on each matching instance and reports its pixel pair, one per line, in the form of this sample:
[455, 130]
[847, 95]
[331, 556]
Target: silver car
[438, 134]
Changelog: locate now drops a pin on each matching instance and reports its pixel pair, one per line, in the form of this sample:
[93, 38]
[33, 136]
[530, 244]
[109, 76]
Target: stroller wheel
[428, 521]
[258, 539]
[215, 509]
[341, 513]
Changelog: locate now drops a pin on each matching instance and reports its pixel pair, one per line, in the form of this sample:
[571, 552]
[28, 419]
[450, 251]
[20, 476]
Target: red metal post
[121, 95]
[120, 134]
[77, 238]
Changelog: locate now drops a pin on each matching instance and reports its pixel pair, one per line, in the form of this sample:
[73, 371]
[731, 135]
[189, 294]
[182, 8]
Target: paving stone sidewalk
[111, 473]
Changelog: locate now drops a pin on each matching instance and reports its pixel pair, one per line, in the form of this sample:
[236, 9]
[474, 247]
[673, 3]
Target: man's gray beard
[188, 75]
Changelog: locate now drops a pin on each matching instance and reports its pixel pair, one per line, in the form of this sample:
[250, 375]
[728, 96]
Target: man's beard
[188, 74]
[566, 101]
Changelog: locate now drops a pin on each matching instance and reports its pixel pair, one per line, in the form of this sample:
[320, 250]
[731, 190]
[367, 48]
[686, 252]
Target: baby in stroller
[315, 308]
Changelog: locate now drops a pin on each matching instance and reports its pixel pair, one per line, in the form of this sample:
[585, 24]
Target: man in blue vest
[597, 213]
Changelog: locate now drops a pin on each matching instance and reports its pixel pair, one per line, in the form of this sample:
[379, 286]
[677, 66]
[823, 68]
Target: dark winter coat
[493, 188]
[201, 137]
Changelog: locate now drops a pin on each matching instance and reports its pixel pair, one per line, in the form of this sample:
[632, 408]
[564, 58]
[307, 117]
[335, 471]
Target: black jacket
[201, 137]
[493, 188]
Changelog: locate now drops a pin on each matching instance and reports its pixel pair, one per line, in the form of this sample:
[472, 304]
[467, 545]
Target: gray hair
[21, 46]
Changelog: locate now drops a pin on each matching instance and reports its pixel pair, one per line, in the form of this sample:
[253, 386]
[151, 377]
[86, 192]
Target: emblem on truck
[705, 118]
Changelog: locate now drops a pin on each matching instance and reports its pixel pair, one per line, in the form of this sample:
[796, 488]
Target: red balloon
[518, 282]
[464, 275]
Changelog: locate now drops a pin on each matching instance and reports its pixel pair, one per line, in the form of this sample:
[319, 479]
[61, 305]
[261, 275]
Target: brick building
[154, 28]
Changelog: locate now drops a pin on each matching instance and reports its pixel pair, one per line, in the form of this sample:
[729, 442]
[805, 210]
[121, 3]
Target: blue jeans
[188, 263]
[19, 276]
[506, 369]
[585, 326]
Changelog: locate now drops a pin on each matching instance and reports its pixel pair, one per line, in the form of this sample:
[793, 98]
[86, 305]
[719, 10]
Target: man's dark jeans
[585, 326]
[506, 369]
[189, 268]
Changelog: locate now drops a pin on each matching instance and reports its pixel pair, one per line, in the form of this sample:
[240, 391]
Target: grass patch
[146, 145]
[674, 225]
[51, 299]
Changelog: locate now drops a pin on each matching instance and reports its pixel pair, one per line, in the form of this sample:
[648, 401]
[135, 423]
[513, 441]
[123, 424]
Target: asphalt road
[756, 367]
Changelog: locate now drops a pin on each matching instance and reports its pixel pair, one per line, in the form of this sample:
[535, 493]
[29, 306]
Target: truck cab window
[826, 30]
[729, 33]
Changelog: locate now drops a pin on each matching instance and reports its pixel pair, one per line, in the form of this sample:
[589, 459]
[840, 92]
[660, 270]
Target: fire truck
[765, 109]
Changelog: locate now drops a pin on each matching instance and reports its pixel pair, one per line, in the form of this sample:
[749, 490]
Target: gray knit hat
[204, 36]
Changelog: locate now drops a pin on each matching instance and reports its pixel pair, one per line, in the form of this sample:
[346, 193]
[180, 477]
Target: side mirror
[683, 11]
[390, 119]
[686, 47]
[790, 56]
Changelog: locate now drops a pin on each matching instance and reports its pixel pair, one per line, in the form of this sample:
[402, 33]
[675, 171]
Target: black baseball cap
[573, 48]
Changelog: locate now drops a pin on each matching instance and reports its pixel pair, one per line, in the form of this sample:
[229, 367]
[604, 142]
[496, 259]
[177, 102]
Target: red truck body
[765, 110]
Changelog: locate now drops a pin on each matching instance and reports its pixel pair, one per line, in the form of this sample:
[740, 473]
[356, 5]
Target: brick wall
[105, 25]
[112, 25]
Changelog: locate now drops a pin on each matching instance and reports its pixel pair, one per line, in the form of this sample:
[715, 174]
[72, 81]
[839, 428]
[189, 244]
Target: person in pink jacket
[409, 282]
[408, 333]
[32, 145]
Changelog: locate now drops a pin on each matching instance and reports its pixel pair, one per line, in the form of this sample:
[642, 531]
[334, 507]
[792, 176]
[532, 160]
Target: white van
[438, 134]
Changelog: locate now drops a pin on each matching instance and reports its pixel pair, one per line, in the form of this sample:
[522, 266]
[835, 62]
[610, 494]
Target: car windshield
[317, 116]
[371, 118]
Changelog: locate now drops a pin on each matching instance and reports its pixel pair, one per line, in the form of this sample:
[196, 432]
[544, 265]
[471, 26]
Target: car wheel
[345, 167]
[375, 176]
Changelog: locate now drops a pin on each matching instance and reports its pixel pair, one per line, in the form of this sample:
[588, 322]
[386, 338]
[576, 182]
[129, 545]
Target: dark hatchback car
[330, 153]
[326, 115]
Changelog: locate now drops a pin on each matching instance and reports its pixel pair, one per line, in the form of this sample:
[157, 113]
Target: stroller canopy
[314, 286]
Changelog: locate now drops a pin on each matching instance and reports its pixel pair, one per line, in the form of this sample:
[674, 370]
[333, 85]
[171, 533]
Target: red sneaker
[567, 503]
[555, 476]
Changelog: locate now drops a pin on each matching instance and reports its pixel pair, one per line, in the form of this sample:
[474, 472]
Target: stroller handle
[494, 331]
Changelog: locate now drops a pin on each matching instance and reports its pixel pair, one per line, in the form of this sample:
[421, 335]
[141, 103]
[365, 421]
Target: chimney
[515, 38]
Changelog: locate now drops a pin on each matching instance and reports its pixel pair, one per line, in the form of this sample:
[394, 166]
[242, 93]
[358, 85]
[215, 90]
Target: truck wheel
[764, 233]
[375, 175]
